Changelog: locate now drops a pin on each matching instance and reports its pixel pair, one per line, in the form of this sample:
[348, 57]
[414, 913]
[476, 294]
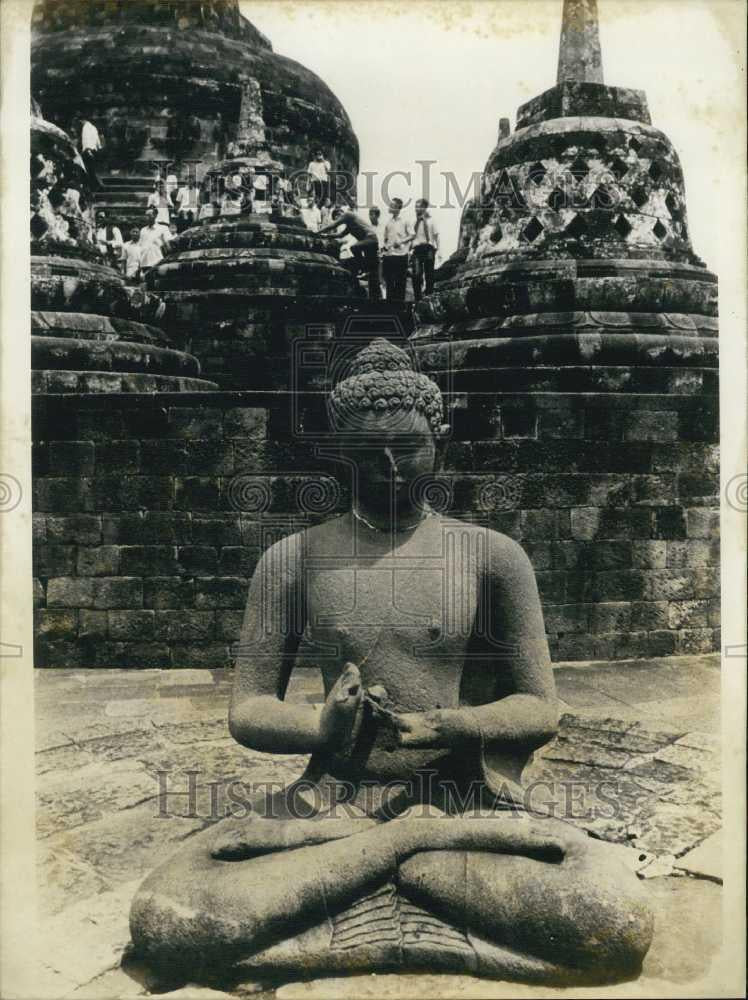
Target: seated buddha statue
[406, 844]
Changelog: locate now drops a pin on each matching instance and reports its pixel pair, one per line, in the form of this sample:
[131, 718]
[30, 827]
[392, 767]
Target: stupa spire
[579, 56]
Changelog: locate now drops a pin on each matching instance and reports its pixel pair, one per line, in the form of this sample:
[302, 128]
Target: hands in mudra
[348, 701]
[342, 713]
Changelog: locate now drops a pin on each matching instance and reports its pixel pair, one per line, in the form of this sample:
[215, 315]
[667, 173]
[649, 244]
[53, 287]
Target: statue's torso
[404, 614]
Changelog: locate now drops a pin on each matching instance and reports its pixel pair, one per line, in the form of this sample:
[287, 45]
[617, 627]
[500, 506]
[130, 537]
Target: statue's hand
[342, 712]
[442, 727]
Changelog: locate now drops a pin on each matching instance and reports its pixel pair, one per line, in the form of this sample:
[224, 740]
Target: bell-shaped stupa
[577, 328]
[163, 80]
[581, 208]
[250, 278]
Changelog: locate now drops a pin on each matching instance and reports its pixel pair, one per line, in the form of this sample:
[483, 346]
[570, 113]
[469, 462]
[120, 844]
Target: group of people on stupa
[384, 253]
[388, 253]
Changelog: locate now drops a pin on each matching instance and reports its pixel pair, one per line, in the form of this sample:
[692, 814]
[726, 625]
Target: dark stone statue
[407, 844]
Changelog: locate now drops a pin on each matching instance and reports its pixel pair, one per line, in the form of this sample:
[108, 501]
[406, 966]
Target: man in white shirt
[158, 202]
[319, 169]
[172, 183]
[187, 204]
[90, 146]
[311, 215]
[131, 256]
[397, 237]
[425, 248]
[154, 241]
[108, 240]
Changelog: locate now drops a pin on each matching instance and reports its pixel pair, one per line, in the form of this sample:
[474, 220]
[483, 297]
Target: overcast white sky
[429, 80]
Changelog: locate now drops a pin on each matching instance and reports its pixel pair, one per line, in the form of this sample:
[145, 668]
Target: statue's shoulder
[489, 537]
[500, 553]
[315, 540]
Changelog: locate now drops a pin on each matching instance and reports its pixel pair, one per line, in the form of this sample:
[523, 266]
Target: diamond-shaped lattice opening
[659, 230]
[622, 226]
[634, 144]
[557, 199]
[536, 173]
[38, 227]
[578, 169]
[532, 230]
[496, 233]
[577, 227]
[655, 171]
[619, 168]
[602, 197]
[506, 191]
[640, 195]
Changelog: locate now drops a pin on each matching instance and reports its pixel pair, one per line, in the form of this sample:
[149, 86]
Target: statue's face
[390, 450]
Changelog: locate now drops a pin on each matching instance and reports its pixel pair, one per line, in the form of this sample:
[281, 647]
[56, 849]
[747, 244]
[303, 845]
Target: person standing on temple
[425, 247]
[108, 240]
[187, 204]
[311, 215]
[91, 146]
[375, 218]
[158, 201]
[325, 211]
[171, 186]
[131, 257]
[319, 169]
[366, 248]
[221, 136]
[154, 241]
[397, 238]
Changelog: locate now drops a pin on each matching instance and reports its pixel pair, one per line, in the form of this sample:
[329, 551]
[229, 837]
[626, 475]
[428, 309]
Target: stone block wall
[148, 526]
[615, 499]
[142, 555]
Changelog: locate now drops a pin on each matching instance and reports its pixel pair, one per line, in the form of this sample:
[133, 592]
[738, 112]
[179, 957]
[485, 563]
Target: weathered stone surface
[706, 860]
[89, 938]
[676, 961]
[89, 792]
[166, 53]
[108, 853]
[237, 289]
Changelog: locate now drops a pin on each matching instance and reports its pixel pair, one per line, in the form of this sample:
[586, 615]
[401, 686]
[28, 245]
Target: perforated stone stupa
[164, 80]
[240, 289]
[577, 328]
[90, 331]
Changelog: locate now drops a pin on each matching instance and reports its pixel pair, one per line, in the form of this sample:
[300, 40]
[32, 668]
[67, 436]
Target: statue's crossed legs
[501, 896]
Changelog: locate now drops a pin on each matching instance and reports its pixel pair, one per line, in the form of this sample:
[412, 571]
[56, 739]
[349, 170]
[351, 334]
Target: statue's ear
[441, 440]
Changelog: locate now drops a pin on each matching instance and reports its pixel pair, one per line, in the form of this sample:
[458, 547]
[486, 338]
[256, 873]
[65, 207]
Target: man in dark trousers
[366, 248]
[397, 239]
[425, 247]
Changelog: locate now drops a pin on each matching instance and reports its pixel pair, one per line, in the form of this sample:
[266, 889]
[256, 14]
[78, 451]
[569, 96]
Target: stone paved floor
[111, 743]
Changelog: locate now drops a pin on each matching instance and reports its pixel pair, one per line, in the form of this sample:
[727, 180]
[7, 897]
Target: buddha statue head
[390, 421]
